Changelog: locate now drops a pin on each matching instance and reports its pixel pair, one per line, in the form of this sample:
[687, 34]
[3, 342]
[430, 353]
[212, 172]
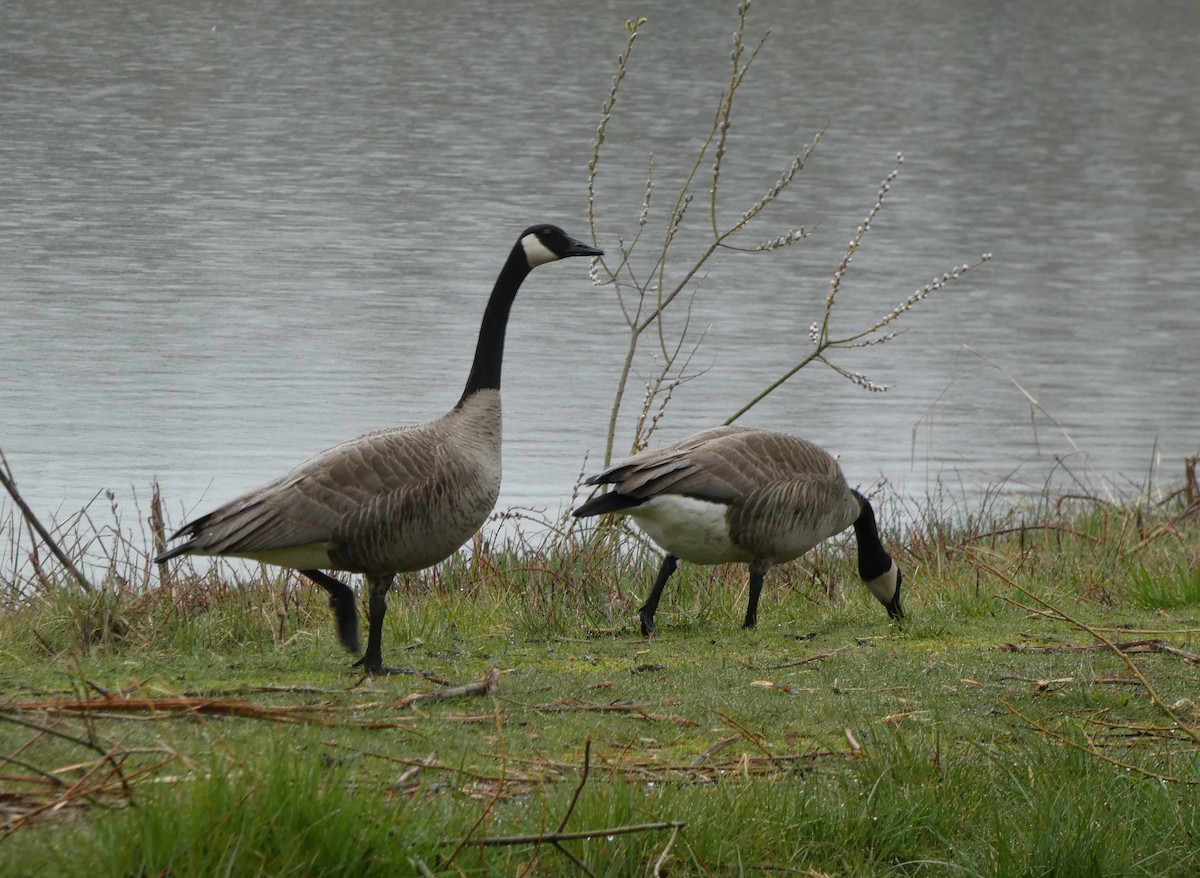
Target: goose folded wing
[312, 503]
[785, 519]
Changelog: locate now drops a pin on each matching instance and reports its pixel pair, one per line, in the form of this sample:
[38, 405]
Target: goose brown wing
[682, 467]
[784, 519]
[314, 501]
[719, 465]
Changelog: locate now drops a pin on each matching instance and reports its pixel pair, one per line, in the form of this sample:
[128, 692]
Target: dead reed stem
[10, 485]
[165, 707]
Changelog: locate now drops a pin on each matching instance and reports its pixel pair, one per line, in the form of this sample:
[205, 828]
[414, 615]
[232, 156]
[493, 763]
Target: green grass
[988, 735]
[1165, 590]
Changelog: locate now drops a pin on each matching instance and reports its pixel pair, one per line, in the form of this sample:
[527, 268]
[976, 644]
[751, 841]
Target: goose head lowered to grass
[737, 494]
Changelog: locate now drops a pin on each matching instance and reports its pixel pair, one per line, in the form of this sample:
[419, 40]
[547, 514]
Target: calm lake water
[232, 235]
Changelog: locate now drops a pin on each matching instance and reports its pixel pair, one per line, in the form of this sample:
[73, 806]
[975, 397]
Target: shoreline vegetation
[1034, 714]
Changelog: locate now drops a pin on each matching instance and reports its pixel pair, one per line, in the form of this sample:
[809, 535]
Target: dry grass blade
[656, 871]
[751, 737]
[1171, 527]
[164, 707]
[708, 754]
[102, 778]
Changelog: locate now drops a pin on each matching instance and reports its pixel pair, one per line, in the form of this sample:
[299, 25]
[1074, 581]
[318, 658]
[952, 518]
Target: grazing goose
[392, 501]
[737, 494]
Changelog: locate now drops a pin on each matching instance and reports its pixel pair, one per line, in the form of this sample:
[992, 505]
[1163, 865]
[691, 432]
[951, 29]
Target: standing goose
[737, 494]
[394, 500]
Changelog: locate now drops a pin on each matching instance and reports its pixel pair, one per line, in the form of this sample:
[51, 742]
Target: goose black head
[546, 243]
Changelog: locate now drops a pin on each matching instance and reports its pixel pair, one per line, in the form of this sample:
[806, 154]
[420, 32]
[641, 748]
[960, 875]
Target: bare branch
[10, 485]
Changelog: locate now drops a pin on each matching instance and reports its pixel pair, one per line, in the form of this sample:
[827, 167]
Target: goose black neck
[873, 559]
[489, 349]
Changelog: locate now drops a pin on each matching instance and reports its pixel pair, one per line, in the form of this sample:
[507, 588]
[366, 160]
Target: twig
[1022, 528]
[486, 686]
[566, 852]
[754, 739]
[1192, 733]
[707, 754]
[553, 837]
[10, 485]
[91, 745]
[1057, 617]
[804, 661]
[1133, 646]
[587, 759]
[1091, 751]
[662, 858]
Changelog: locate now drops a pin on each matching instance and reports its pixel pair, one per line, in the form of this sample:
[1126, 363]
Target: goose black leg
[648, 609]
[341, 599]
[372, 659]
[756, 583]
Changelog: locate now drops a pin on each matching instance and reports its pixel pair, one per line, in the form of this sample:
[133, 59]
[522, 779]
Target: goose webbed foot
[377, 668]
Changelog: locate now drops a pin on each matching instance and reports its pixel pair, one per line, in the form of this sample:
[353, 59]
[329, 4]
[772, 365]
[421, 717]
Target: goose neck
[489, 349]
[873, 559]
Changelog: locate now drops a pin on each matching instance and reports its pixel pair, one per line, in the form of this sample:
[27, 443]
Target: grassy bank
[1034, 715]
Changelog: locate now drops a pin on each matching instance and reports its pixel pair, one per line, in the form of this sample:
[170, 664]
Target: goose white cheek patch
[884, 587]
[537, 253]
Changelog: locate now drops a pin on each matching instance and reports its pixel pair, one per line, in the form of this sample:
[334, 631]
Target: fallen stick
[555, 837]
[804, 661]
[487, 686]
[1133, 647]
[707, 754]
[199, 706]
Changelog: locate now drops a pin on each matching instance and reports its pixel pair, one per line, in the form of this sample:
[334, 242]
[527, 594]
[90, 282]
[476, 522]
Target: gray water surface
[233, 235]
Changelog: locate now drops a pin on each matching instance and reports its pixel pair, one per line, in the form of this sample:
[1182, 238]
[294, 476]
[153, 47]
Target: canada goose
[394, 500]
[737, 494]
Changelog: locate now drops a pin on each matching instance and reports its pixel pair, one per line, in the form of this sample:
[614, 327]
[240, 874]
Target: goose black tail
[613, 501]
